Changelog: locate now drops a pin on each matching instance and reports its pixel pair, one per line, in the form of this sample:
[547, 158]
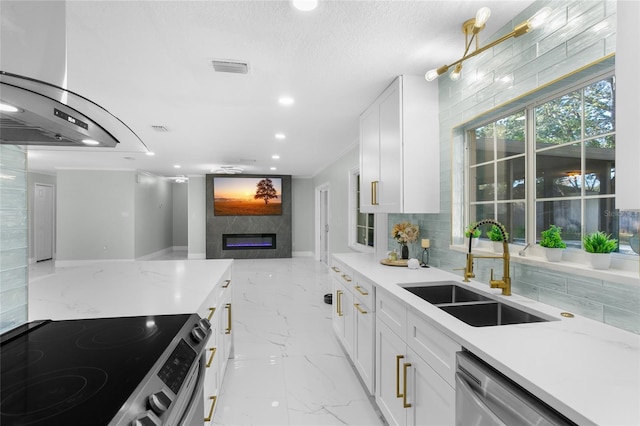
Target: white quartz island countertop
[587, 370]
[124, 288]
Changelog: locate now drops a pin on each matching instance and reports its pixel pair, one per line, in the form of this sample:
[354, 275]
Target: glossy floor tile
[288, 368]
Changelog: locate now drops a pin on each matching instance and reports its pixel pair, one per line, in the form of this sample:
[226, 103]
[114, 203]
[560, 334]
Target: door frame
[38, 212]
[319, 226]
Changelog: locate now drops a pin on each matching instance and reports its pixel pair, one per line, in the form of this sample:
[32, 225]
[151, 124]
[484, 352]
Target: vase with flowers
[404, 233]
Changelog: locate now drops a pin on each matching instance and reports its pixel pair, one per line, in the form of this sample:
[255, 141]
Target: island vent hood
[35, 106]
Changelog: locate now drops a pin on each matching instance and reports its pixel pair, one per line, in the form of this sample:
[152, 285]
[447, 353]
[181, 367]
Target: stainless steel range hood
[37, 108]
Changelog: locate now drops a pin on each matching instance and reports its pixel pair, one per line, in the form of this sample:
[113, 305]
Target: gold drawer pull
[346, 277]
[338, 303]
[362, 311]
[213, 353]
[398, 358]
[213, 404]
[361, 291]
[228, 330]
[404, 394]
[226, 283]
[335, 269]
[211, 312]
[374, 193]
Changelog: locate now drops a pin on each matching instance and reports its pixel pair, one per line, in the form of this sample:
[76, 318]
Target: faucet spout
[505, 282]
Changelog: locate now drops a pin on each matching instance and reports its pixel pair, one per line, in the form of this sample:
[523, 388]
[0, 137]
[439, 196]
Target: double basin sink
[469, 306]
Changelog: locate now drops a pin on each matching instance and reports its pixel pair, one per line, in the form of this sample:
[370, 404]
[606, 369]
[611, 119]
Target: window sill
[360, 248]
[624, 269]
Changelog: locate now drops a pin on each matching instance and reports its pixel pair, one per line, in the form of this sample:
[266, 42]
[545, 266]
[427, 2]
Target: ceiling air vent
[234, 67]
[160, 129]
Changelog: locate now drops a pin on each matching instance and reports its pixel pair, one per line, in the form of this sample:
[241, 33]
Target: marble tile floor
[288, 368]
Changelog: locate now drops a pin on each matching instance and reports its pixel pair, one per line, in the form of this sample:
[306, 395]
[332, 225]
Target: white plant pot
[599, 260]
[474, 242]
[497, 246]
[553, 254]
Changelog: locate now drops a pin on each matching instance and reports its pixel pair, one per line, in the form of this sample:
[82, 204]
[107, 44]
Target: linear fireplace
[248, 241]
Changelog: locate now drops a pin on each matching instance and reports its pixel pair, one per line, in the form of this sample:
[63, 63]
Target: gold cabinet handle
[362, 311]
[211, 312]
[374, 193]
[404, 386]
[361, 291]
[338, 303]
[335, 269]
[226, 283]
[213, 353]
[213, 404]
[228, 329]
[398, 358]
[346, 277]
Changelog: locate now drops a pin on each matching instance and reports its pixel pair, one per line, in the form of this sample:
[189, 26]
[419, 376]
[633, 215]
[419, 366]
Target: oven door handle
[197, 392]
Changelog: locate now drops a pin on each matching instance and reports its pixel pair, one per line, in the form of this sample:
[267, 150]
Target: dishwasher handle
[471, 408]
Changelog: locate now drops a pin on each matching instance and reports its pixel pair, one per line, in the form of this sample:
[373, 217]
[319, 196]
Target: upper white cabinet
[627, 106]
[399, 149]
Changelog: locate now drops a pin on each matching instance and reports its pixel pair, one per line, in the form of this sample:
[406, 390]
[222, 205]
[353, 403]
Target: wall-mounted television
[247, 196]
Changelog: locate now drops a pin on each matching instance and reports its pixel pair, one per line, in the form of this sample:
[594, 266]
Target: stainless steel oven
[486, 397]
[139, 371]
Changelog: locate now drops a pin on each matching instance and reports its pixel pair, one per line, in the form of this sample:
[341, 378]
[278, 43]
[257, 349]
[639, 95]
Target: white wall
[180, 215]
[196, 205]
[95, 215]
[302, 213]
[153, 214]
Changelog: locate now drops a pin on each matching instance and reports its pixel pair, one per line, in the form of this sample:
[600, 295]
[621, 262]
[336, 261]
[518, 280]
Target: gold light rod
[532, 23]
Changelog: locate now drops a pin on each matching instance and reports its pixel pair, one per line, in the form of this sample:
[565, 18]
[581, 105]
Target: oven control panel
[175, 369]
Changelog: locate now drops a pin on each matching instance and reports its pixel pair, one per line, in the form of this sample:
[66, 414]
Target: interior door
[43, 222]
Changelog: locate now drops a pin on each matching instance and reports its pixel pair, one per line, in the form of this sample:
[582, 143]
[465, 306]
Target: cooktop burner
[79, 372]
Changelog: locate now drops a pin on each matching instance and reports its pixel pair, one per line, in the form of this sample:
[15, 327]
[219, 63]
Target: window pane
[484, 187]
[558, 172]
[511, 179]
[564, 214]
[600, 166]
[558, 121]
[598, 108]
[512, 216]
[482, 145]
[370, 237]
[362, 219]
[600, 215]
[510, 133]
[361, 235]
[481, 211]
[629, 223]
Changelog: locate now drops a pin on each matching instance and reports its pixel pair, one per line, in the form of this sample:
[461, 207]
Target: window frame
[352, 214]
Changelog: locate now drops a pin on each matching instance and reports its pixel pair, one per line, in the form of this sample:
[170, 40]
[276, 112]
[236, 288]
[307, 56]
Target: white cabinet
[627, 105]
[414, 370]
[217, 308]
[399, 149]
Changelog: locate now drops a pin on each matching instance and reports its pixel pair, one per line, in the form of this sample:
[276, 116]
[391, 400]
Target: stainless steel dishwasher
[485, 397]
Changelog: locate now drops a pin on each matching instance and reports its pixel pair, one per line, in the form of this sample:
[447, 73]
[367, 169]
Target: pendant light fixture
[473, 26]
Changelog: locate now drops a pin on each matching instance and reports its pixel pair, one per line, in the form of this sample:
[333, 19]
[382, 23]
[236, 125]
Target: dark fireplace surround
[249, 237]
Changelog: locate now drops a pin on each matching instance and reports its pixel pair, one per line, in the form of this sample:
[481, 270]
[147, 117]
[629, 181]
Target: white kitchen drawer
[432, 345]
[392, 312]
[212, 301]
[364, 291]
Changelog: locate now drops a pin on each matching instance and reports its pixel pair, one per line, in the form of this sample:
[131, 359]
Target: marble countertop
[124, 288]
[587, 370]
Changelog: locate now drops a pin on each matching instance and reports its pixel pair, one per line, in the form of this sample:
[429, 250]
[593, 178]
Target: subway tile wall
[13, 237]
[577, 34]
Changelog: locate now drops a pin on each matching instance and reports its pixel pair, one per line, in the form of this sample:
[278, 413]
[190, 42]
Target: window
[362, 228]
[565, 178]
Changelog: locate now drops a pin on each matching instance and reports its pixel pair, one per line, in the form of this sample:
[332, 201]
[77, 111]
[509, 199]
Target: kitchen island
[586, 370]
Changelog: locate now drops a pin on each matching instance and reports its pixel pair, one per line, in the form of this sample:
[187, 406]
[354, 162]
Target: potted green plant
[475, 236]
[599, 246]
[551, 240]
[495, 235]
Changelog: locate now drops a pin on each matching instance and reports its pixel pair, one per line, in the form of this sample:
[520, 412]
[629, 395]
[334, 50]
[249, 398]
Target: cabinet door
[390, 186]
[432, 399]
[363, 347]
[343, 315]
[369, 158]
[390, 359]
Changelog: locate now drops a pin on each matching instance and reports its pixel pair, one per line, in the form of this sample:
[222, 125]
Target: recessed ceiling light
[150, 153]
[90, 142]
[280, 136]
[305, 5]
[8, 108]
[275, 157]
[273, 168]
[176, 166]
[286, 101]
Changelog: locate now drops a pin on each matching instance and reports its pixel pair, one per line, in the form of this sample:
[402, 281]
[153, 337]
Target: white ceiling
[149, 63]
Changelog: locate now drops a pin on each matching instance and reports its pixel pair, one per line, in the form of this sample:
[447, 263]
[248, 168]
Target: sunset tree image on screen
[265, 191]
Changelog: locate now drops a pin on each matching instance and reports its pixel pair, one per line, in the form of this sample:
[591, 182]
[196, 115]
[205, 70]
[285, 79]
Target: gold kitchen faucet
[505, 282]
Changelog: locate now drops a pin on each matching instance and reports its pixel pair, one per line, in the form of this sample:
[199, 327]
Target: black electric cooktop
[78, 372]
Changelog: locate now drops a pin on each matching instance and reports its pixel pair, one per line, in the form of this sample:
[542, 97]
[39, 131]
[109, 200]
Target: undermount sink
[469, 306]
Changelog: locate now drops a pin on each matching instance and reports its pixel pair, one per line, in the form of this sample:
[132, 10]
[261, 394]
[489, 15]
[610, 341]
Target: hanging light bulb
[539, 18]
[431, 75]
[482, 16]
[455, 75]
